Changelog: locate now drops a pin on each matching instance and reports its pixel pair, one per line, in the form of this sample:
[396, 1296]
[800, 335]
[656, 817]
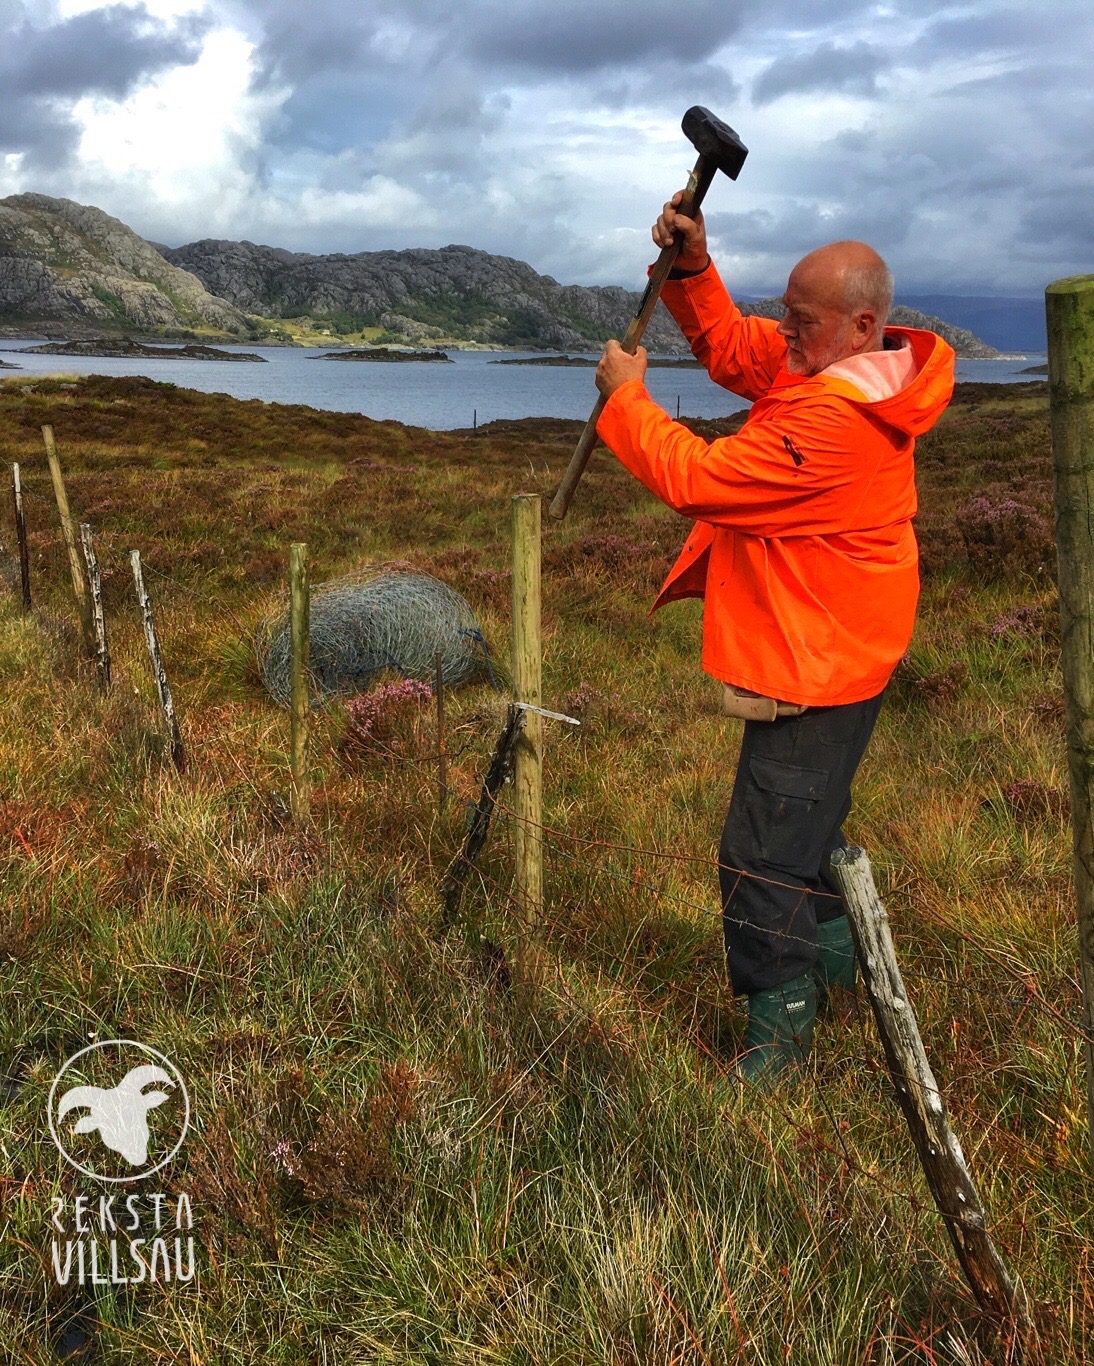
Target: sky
[956, 138]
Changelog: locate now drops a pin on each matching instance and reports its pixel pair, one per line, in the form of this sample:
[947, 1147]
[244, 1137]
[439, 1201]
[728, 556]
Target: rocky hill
[419, 295]
[455, 292]
[67, 267]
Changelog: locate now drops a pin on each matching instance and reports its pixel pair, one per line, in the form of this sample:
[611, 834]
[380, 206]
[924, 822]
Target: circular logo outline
[144, 1048]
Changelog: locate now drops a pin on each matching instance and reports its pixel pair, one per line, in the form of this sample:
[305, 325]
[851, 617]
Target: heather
[407, 1147]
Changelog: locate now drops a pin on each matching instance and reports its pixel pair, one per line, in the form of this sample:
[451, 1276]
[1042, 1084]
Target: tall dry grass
[403, 1151]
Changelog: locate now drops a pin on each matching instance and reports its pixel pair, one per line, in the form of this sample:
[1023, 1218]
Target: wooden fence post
[98, 615]
[527, 687]
[79, 584]
[299, 638]
[1069, 309]
[167, 705]
[21, 535]
[918, 1095]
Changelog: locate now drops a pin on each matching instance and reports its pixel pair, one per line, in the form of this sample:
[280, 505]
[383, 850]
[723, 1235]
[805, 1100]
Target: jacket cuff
[626, 393]
[678, 273]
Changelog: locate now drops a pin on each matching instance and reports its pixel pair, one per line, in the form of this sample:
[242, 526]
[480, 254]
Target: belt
[753, 706]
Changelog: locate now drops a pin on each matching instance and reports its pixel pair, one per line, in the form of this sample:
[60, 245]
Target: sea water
[472, 389]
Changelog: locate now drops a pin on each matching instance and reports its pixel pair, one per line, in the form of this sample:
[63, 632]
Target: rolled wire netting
[379, 620]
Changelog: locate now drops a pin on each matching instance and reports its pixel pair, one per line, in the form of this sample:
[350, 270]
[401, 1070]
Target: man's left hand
[618, 366]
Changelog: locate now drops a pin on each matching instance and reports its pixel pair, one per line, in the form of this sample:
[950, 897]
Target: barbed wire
[553, 838]
[725, 1069]
[1025, 979]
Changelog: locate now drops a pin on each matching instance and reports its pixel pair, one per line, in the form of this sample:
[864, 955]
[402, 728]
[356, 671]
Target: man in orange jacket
[803, 550]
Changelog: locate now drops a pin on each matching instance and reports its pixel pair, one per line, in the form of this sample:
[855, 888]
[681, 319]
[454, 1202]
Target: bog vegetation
[403, 1151]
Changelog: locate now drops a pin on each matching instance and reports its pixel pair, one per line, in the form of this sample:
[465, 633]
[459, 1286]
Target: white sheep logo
[120, 1113]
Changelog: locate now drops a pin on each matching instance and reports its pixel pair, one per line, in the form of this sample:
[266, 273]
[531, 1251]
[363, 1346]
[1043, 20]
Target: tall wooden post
[527, 687]
[98, 615]
[21, 536]
[79, 584]
[299, 633]
[159, 674]
[1069, 308]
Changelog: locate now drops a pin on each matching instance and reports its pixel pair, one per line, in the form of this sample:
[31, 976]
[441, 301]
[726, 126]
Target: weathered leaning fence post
[527, 687]
[499, 770]
[79, 583]
[98, 615]
[1069, 309]
[21, 536]
[299, 632]
[917, 1094]
[167, 705]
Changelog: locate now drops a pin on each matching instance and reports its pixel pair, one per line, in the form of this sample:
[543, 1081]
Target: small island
[668, 363]
[385, 353]
[546, 360]
[5, 366]
[125, 348]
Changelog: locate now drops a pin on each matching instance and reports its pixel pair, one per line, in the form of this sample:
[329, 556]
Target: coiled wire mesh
[387, 618]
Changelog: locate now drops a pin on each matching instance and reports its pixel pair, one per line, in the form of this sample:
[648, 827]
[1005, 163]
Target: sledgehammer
[720, 149]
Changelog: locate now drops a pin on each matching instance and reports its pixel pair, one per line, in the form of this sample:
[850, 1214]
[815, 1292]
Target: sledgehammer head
[714, 139]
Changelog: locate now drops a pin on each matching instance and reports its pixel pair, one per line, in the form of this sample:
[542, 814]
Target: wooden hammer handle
[698, 183]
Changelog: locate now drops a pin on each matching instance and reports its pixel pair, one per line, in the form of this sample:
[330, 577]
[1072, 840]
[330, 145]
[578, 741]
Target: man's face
[817, 329]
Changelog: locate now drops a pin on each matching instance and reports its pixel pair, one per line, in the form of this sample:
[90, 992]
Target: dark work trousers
[790, 799]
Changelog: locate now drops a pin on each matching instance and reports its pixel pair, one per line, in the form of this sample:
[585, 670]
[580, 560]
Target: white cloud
[381, 203]
[186, 124]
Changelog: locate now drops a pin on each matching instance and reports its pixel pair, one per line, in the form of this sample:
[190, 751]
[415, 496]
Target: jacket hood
[918, 406]
[915, 409]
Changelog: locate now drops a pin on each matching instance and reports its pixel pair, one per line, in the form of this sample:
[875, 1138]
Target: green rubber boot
[836, 962]
[780, 1030]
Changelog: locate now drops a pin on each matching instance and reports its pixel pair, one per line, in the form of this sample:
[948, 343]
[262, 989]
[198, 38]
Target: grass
[404, 1149]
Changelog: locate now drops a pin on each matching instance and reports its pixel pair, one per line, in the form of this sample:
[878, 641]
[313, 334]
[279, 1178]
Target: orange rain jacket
[802, 545]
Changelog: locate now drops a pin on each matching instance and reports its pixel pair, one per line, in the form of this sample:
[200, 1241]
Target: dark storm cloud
[1062, 220]
[666, 84]
[104, 51]
[801, 225]
[394, 56]
[570, 36]
[355, 74]
[44, 70]
[295, 42]
[853, 70]
[1020, 29]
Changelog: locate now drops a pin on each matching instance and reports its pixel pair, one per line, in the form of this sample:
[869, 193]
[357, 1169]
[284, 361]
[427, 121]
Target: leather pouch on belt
[753, 706]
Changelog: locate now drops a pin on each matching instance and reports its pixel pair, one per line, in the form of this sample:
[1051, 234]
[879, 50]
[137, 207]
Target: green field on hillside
[403, 1148]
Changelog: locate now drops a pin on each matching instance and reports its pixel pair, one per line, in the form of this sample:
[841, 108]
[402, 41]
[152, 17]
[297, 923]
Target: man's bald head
[837, 300]
[857, 275]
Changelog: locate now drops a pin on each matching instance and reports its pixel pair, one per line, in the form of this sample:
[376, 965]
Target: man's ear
[863, 328]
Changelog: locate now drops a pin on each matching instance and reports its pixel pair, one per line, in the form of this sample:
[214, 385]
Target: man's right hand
[693, 252]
